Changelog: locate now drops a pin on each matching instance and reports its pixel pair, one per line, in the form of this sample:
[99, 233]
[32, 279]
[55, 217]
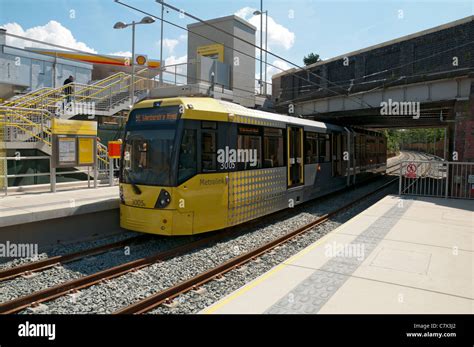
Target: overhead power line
[255, 46]
[360, 101]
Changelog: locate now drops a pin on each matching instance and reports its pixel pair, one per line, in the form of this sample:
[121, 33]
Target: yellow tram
[194, 164]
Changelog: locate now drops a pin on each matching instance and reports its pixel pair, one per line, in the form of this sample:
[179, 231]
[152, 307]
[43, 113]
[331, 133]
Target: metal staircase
[24, 128]
[25, 121]
[104, 97]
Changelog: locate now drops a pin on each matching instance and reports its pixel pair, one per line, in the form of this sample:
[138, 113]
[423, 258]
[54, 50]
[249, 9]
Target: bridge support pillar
[461, 130]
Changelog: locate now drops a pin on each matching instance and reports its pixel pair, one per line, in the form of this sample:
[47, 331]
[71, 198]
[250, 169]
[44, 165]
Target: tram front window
[148, 157]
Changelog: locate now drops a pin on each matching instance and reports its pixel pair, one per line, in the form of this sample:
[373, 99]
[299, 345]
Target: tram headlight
[163, 200]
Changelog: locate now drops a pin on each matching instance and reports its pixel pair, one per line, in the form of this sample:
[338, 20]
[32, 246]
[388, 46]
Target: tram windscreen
[149, 147]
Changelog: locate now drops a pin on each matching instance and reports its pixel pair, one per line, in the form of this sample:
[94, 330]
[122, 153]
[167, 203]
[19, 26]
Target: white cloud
[280, 66]
[169, 45]
[172, 60]
[245, 12]
[278, 35]
[180, 70]
[183, 37]
[122, 54]
[52, 32]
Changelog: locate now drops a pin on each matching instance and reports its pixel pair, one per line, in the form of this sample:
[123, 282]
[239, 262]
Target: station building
[24, 70]
[31, 86]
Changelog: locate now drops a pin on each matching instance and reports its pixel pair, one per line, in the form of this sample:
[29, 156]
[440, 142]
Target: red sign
[411, 171]
[114, 148]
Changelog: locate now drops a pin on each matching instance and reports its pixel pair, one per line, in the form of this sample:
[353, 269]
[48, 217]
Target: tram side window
[187, 166]
[324, 142]
[273, 149]
[208, 151]
[249, 148]
[311, 148]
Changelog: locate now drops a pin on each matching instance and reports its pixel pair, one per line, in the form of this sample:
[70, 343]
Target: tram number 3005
[227, 165]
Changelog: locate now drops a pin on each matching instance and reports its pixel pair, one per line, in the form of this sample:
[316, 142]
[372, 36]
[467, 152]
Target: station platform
[401, 255]
[48, 218]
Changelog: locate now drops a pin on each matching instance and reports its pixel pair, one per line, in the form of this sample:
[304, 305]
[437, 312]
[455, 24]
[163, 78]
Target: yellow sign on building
[215, 51]
[73, 127]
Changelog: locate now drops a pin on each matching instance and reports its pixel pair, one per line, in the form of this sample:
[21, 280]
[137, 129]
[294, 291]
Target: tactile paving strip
[313, 293]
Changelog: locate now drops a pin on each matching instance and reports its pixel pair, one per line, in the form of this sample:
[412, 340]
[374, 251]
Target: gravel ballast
[119, 292]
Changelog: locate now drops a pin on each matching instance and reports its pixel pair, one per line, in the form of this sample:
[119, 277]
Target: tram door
[337, 154]
[295, 156]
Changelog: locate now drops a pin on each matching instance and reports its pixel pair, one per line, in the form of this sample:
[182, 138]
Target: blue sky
[329, 28]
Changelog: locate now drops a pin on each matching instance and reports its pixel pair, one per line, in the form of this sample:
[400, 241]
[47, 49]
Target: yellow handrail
[40, 128]
[61, 89]
[48, 97]
[46, 91]
[26, 96]
[100, 82]
[18, 125]
[11, 114]
[80, 94]
[138, 79]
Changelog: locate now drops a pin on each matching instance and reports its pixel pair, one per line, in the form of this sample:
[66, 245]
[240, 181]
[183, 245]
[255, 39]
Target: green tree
[413, 138]
[311, 59]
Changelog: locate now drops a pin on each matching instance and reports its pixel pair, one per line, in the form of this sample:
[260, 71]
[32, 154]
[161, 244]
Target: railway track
[395, 168]
[407, 156]
[40, 265]
[167, 295]
[73, 286]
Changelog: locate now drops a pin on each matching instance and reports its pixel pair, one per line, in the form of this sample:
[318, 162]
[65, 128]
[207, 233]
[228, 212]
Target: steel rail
[73, 286]
[168, 294]
[44, 264]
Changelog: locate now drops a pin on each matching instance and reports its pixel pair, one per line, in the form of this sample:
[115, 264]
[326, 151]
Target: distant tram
[193, 165]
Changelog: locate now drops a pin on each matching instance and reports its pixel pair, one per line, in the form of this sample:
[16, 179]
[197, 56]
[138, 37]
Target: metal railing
[52, 174]
[17, 100]
[177, 74]
[28, 118]
[36, 96]
[437, 179]
[25, 125]
[102, 95]
[34, 126]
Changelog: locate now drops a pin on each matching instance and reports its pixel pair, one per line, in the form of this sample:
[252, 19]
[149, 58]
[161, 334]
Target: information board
[66, 150]
[86, 151]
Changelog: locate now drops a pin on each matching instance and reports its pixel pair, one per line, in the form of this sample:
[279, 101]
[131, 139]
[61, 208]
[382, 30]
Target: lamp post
[260, 13]
[161, 40]
[261, 40]
[122, 25]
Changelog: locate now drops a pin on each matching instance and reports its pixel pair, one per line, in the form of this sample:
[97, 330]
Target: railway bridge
[421, 80]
